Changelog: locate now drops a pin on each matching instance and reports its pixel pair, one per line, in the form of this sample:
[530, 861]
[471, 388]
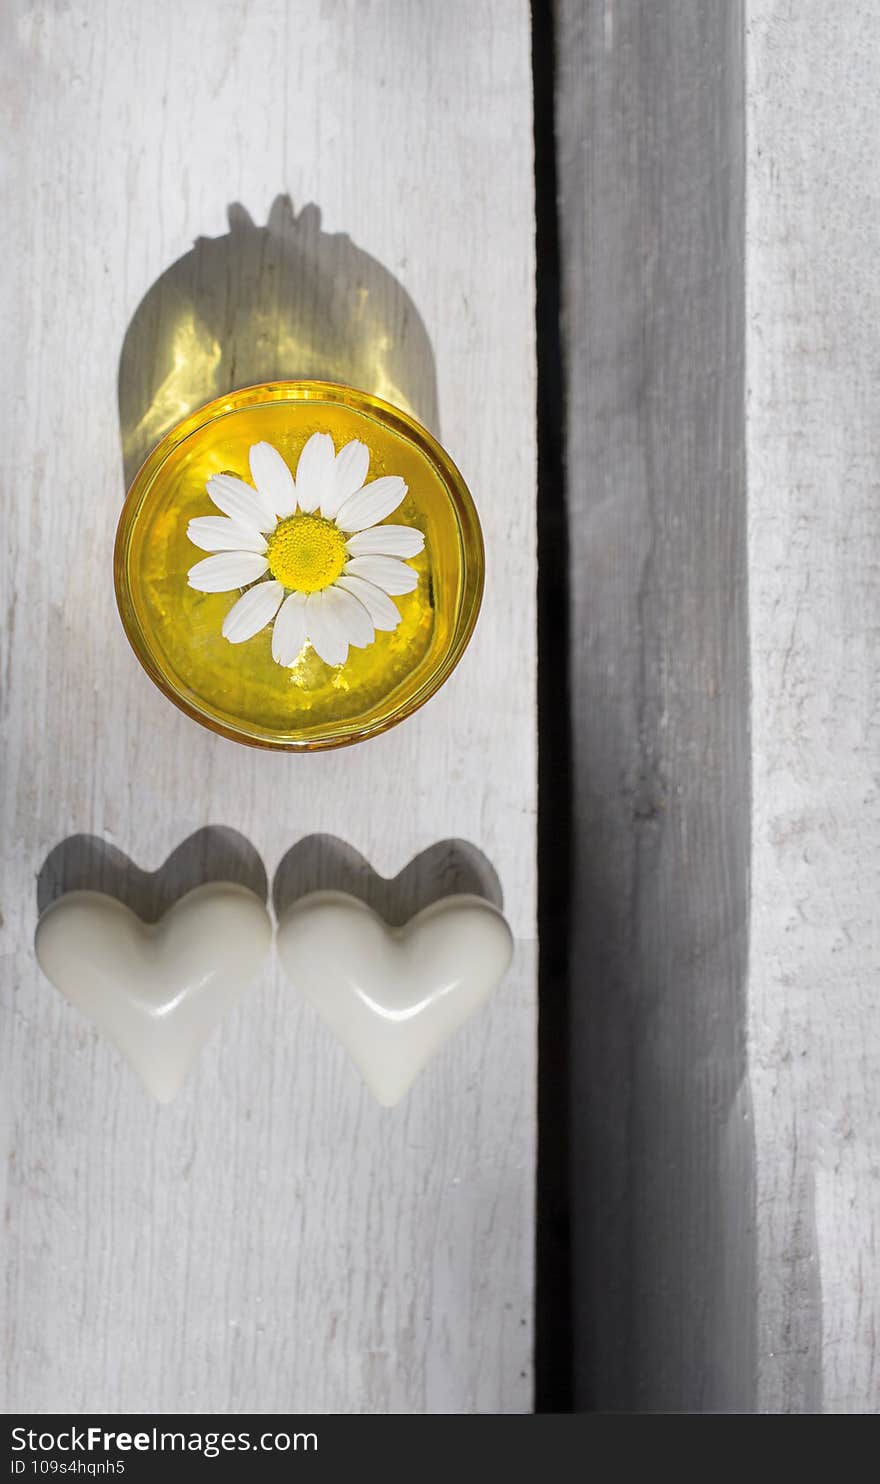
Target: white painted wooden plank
[273, 1240]
[813, 438]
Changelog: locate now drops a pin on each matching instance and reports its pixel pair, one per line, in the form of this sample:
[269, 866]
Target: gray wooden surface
[649, 123]
[273, 1240]
[813, 245]
[720, 310]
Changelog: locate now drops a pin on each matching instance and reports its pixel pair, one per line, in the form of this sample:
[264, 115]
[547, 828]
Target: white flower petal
[314, 472]
[289, 631]
[349, 472]
[351, 612]
[273, 478]
[371, 504]
[326, 627]
[396, 541]
[385, 571]
[252, 612]
[241, 501]
[227, 570]
[384, 614]
[217, 533]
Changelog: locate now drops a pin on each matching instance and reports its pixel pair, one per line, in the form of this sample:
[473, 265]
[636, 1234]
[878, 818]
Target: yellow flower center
[306, 552]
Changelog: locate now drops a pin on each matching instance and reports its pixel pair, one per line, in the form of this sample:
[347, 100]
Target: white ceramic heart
[393, 995]
[156, 990]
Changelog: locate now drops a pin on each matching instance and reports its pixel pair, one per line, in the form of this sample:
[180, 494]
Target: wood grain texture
[814, 549]
[649, 122]
[273, 1240]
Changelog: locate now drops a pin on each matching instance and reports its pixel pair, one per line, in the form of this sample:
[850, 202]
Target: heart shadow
[87, 863]
[325, 863]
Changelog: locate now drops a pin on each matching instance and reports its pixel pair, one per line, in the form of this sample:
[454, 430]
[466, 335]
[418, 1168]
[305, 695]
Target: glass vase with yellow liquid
[282, 682]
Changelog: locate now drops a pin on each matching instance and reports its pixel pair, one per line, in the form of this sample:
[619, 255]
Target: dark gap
[553, 1297]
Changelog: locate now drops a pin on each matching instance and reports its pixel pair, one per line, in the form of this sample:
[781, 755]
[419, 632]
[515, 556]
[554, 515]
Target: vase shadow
[88, 863]
[326, 863]
[287, 301]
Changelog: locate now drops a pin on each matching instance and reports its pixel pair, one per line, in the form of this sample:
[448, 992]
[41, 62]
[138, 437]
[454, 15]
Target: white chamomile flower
[322, 567]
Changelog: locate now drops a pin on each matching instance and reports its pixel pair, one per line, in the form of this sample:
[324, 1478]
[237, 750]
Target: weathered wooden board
[727, 1203]
[813, 240]
[272, 1240]
[649, 124]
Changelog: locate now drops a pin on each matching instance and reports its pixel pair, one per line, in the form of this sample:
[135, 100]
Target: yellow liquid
[239, 689]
